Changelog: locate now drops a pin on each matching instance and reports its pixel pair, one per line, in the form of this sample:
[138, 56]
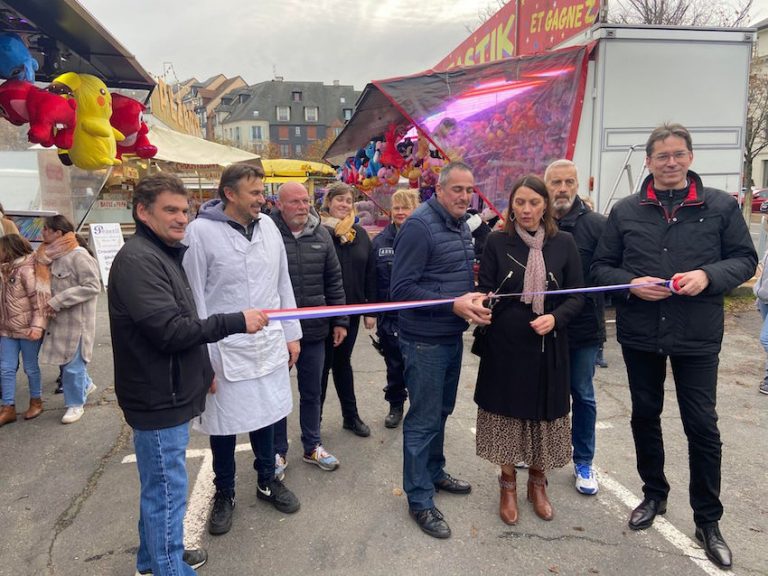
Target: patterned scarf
[44, 256]
[535, 270]
[342, 229]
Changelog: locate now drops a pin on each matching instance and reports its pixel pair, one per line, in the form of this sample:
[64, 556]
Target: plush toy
[128, 119]
[390, 155]
[15, 60]
[51, 118]
[95, 140]
[349, 171]
[365, 211]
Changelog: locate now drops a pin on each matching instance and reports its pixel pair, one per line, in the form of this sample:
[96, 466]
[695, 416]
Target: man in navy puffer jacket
[433, 260]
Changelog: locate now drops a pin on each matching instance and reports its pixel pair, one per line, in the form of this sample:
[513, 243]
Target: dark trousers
[309, 372]
[223, 450]
[339, 360]
[696, 389]
[395, 392]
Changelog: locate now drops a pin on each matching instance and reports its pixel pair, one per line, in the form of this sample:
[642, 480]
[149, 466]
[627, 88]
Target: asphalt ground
[70, 493]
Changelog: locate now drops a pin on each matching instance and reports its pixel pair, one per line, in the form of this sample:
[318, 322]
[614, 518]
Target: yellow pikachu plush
[94, 144]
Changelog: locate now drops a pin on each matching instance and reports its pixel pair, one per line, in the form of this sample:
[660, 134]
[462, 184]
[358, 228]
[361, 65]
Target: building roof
[260, 101]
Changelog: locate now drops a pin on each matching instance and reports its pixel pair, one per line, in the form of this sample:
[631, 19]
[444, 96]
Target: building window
[310, 114]
[311, 132]
[237, 134]
[256, 133]
[347, 113]
[285, 150]
[282, 133]
[297, 131]
[283, 113]
[337, 131]
[296, 96]
[343, 100]
[297, 149]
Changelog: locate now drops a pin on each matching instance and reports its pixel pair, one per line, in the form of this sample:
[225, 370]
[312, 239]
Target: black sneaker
[281, 498]
[394, 417]
[194, 558]
[59, 386]
[358, 427]
[221, 514]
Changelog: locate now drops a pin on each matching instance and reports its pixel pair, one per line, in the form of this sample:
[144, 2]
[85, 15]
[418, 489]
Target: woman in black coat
[358, 271]
[523, 391]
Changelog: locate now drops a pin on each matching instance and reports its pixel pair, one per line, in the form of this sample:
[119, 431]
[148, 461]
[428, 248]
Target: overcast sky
[353, 41]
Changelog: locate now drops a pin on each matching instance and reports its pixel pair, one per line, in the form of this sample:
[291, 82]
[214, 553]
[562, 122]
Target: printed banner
[494, 40]
[546, 23]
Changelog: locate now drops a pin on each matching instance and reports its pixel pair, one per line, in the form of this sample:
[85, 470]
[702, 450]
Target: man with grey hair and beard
[586, 332]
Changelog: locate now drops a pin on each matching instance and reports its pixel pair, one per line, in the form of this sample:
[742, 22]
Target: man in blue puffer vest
[433, 260]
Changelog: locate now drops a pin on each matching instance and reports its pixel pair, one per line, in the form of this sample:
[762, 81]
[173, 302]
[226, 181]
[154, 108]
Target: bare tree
[756, 140]
[485, 14]
[722, 13]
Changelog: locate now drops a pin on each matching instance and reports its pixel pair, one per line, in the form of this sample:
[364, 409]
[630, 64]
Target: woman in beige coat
[71, 309]
[21, 326]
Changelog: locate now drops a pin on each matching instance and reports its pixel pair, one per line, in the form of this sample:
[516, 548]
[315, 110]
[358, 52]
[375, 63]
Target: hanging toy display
[51, 117]
[128, 119]
[94, 143]
[16, 62]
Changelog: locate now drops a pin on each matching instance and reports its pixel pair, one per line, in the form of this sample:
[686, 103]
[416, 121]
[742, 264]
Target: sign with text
[546, 23]
[106, 239]
[494, 40]
[523, 27]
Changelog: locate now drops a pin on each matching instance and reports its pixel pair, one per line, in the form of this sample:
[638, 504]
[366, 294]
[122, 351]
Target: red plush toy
[51, 117]
[128, 118]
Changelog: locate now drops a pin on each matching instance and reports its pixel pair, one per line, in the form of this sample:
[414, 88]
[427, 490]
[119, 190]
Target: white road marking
[199, 500]
[671, 534]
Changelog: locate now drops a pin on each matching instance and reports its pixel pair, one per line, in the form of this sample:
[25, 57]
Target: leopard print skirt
[505, 441]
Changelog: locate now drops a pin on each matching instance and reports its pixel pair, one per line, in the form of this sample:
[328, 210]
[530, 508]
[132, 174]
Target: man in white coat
[236, 260]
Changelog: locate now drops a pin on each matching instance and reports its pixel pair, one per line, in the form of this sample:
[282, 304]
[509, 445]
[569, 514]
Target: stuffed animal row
[385, 159]
[91, 127]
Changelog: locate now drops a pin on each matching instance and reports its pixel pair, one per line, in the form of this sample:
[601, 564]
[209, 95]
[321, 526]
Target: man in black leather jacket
[162, 369]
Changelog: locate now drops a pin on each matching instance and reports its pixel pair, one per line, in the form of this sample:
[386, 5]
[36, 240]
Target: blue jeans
[75, 380]
[309, 373]
[9, 365]
[432, 378]
[223, 450]
[583, 405]
[763, 307]
[160, 457]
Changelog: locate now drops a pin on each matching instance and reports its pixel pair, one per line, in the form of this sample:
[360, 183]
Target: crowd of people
[47, 314]
[192, 343]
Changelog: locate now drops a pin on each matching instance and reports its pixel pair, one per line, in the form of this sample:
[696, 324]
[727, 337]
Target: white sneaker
[73, 414]
[586, 481]
[91, 389]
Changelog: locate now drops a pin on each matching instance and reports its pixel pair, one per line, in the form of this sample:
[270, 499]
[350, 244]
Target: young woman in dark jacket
[523, 392]
[353, 247]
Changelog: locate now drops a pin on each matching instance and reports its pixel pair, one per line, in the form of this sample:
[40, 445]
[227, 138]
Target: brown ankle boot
[7, 414]
[537, 493]
[508, 498]
[35, 408]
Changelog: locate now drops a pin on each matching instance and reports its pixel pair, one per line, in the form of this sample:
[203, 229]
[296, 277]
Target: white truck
[641, 76]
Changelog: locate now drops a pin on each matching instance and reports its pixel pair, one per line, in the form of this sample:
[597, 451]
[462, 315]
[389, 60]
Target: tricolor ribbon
[311, 312]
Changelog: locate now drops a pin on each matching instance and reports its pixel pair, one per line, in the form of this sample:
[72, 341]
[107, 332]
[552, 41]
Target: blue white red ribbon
[311, 312]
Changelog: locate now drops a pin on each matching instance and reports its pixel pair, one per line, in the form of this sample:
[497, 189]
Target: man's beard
[562, 205]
